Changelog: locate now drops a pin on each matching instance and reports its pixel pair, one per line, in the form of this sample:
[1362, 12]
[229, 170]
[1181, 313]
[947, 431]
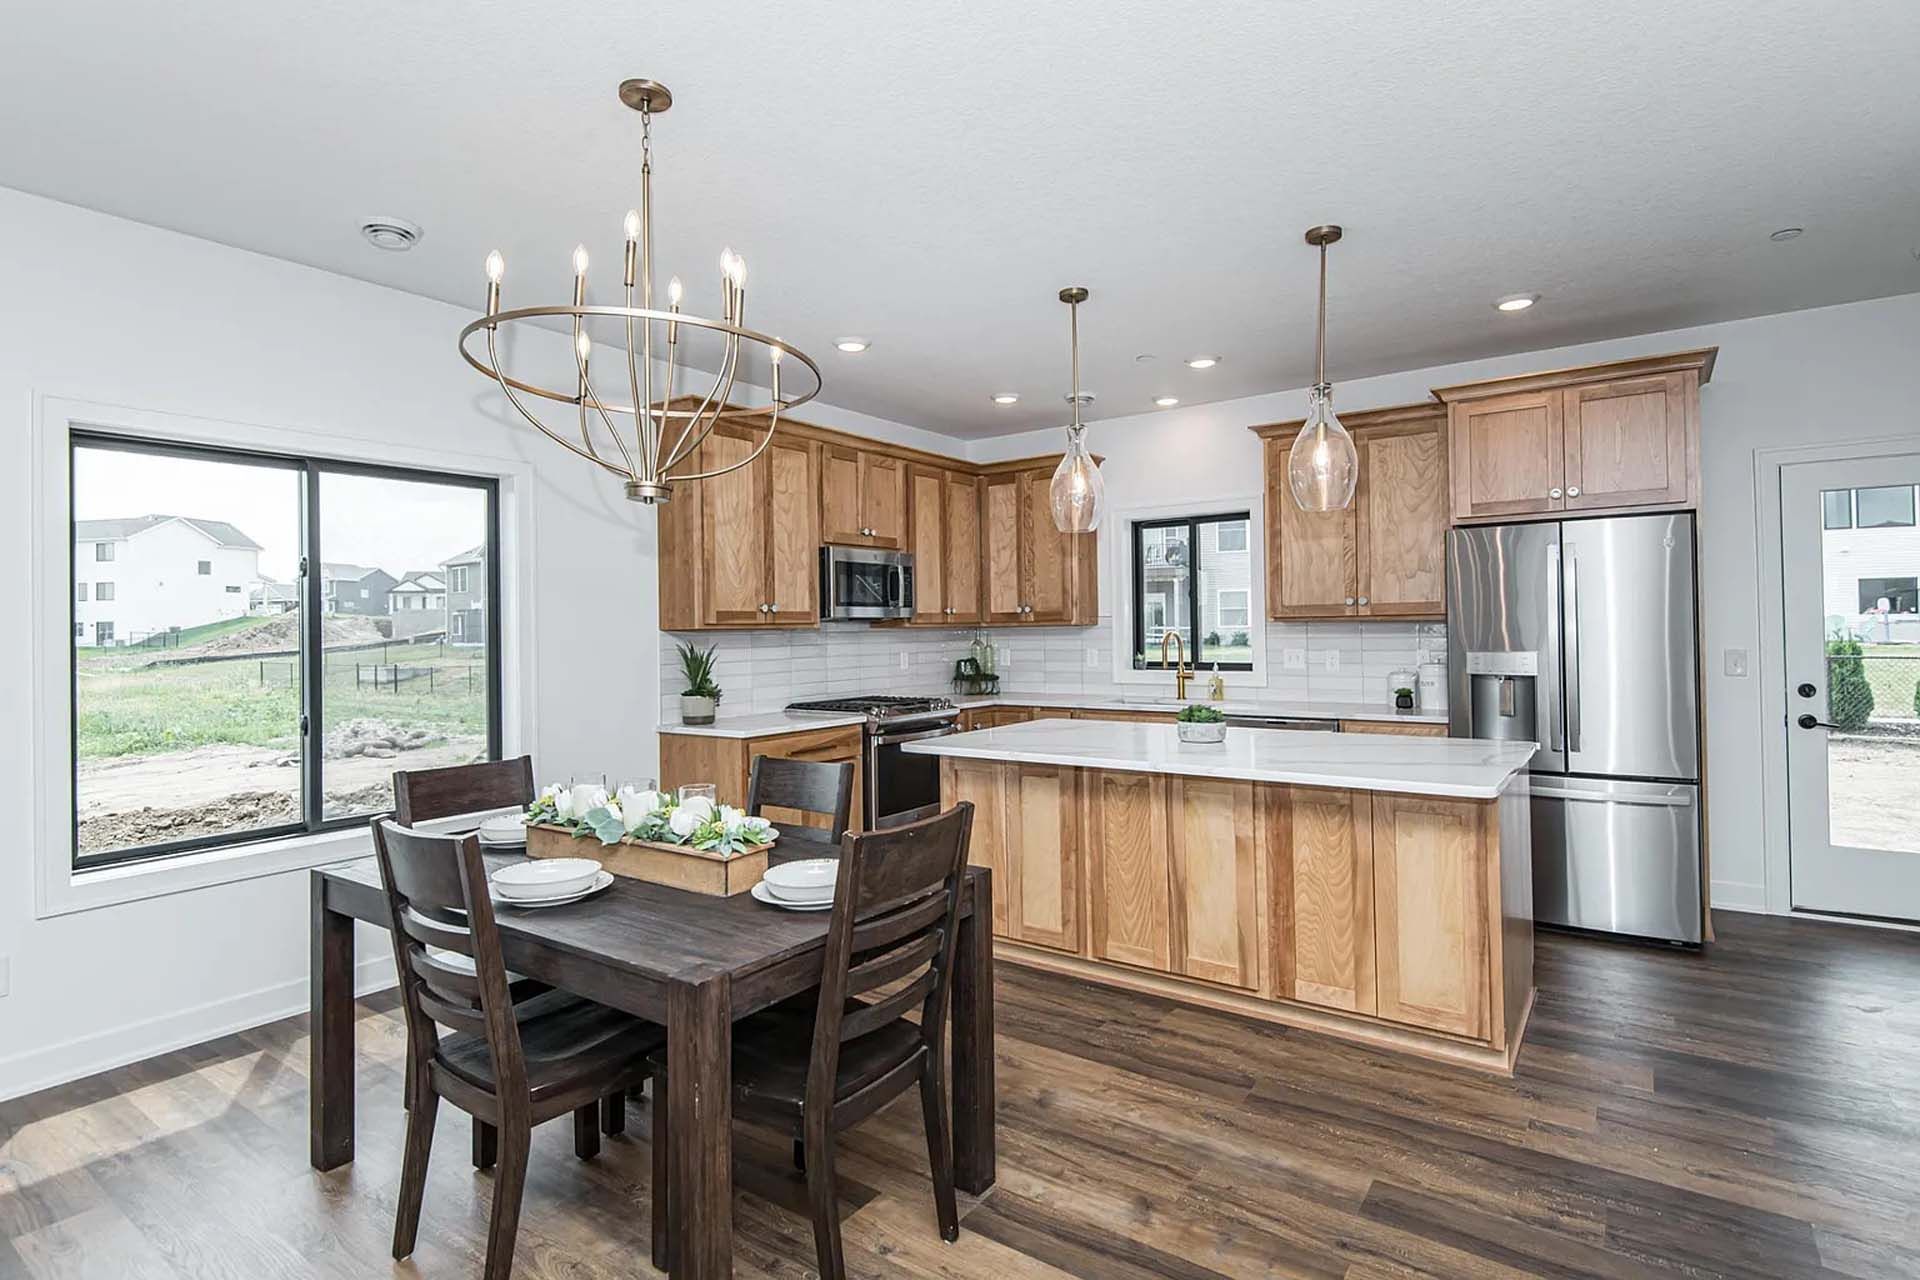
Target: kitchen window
[1192, 575]
[274, 724]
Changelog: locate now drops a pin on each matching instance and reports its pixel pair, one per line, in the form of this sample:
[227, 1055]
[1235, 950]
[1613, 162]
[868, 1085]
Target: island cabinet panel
[982, 783]
[1321, 895]
[1430, 908]
[1129, 868]
[1216, 897]
[1043, 852]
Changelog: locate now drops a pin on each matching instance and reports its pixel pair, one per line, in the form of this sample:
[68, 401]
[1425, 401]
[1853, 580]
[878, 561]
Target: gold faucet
[1181, 672]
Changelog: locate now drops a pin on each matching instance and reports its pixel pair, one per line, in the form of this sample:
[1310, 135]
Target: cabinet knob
[1363, 600]
[1553, 493]
[1350, 600]
[774, 608]
[1573, 491]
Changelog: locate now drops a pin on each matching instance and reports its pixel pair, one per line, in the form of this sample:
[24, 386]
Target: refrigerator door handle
[1572, 647]
[1556, 705]
[1681, 801]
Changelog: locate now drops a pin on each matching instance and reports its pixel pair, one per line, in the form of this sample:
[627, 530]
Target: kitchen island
[1373, 887]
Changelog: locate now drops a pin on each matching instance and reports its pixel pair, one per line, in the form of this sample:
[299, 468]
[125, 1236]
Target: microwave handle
[897, 593]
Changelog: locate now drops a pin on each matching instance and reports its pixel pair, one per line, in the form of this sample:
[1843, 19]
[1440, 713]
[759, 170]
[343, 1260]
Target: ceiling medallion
[649, 441]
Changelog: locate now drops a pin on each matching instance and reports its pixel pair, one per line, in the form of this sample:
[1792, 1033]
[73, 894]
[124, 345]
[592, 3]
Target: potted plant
[698, 698]
[1200, 723]
[1403, 699]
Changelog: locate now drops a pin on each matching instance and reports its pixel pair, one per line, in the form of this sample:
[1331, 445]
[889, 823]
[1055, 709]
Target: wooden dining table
[693, 963]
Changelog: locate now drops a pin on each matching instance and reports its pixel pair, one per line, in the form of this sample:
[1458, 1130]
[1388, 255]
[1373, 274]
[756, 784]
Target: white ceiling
[928, 176]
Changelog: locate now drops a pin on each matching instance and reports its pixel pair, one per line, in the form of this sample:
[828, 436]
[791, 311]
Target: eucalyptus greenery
[698, 664]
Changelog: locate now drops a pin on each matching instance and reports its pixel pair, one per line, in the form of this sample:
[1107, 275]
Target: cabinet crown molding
[1422, 413]
[1699, 360]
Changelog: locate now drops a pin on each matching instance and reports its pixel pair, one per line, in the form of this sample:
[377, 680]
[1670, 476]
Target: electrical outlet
[1093, 659]
[6, 974]
[1003, 655]
[1736, 662]
[1333, 661]
[906, 660]
[1294, 660]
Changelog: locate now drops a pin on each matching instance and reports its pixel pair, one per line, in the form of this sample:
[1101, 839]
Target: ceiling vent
[395, 235]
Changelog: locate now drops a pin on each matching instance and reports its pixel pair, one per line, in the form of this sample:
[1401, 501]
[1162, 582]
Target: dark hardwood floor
[1753, 1111]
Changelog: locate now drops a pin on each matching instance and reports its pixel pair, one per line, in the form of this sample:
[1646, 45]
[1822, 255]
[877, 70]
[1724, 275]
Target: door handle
[1556, 683]
[1680, 801]
[1807, 721]
[1570, 645]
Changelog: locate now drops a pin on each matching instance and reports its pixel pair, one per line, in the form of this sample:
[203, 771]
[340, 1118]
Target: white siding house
[142, 574]
[1872, 575]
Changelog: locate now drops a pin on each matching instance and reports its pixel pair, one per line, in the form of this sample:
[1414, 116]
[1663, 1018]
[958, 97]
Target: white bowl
[805, 880]
[545, 878]
[801, 897]
[511, 829]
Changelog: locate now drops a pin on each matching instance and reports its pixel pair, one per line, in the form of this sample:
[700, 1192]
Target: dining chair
[814, 1071]
[513, 1064]
[817, 787]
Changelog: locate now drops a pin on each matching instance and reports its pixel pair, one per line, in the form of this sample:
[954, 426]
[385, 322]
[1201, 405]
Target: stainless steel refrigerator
[1580, 635]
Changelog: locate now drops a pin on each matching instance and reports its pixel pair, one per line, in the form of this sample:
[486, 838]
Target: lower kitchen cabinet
[1321, 895]
[1129, 868]
[1405, 729]
[1430, 905]
[728, 762]
[1026, 829]
[1216, 898]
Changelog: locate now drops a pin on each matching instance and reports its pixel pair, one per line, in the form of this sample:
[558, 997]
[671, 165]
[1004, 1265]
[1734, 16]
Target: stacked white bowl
[507, 830]
[545, 880]
[806, 882]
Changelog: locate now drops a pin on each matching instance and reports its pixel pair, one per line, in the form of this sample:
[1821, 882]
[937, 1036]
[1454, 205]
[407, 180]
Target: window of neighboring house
[457, 579]
[233, 591]
[1836, 508]
[80, 592]
[1187, 572]
[1901, 594]
[79, 629]
[1887, 508]
[459, 627]
[363, 593]
[103, 551]
[204, 568]
[263, 740]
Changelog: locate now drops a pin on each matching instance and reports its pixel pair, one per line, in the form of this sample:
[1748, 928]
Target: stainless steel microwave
[865, 584]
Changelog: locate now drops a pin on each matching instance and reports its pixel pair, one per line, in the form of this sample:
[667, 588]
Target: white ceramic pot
[1194, 731]
[695, 709]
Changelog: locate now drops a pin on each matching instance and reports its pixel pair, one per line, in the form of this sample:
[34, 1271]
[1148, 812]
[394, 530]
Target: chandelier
[649, 440]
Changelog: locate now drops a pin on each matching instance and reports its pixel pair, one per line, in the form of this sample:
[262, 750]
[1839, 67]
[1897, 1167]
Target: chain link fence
[1871, 690]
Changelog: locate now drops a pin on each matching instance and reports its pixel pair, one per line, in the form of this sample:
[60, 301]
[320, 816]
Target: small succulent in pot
[697, 700]
[1201, 723]
[1403, 699]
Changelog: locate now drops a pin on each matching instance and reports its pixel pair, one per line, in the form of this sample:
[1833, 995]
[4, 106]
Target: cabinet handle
[1573, 491]
[1553, 493]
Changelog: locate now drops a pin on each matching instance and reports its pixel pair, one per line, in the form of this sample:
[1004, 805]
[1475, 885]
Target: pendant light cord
[1320, 340]
[1073, 328]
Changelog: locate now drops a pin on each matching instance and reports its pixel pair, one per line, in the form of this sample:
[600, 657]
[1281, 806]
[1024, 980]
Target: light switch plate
[1003, 655]
[1333, 661]
[906, 660]
[1294, 660]
[1736, 662]
[1093, 659]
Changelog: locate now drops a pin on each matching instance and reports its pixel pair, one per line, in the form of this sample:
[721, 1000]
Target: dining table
[692, 962]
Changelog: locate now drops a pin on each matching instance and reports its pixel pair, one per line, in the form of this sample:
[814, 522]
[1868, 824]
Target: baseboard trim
[89, 1055]
[1739, 895]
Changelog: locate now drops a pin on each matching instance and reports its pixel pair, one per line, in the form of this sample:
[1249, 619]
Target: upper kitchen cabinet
[1033, 572]
[1385, 556]
[1602, 438]
[744, 547]
[863, 497]
[943, 526]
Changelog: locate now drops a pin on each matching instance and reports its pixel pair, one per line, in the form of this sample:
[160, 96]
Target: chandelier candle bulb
[496, 270]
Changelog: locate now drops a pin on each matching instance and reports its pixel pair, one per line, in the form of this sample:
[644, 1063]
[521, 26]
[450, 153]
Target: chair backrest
[437, 893]
[895, 907]
[809, 786]
[421, 795]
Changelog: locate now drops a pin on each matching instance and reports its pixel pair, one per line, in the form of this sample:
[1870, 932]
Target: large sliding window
[245, 675]
[1192, 575]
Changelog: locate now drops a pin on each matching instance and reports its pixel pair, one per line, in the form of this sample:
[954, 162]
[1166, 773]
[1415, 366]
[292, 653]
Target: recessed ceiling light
[1166, 402]
[1203, 362]
[1787, 233]
[395, 235]
[853, 346]
[1515, 301]
[1005, 397]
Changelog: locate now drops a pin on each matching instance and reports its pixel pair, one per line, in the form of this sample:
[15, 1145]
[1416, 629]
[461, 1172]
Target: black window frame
[1137, 546]
[1828, 515]
[1913, 507]
[311, 659]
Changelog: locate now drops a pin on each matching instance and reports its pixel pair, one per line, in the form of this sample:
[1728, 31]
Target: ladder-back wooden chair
[820, 787]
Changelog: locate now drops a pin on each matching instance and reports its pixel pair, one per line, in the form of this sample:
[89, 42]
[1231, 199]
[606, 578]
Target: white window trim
[1117, 533]
[58, 888]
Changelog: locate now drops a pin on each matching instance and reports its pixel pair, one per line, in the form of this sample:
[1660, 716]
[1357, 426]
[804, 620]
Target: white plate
[544, 878]
[600, 882]
[804, 876]
[760, 894]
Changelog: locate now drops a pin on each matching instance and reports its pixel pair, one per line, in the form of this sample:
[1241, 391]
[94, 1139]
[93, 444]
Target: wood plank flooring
[1752, 1112]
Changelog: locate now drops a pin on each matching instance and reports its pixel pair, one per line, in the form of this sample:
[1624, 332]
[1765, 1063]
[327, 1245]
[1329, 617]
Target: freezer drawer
[1623, 857]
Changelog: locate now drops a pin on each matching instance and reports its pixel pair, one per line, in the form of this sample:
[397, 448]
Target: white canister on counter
[1433, 686]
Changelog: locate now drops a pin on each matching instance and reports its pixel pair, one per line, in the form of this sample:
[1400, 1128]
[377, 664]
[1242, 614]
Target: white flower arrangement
[697, 822]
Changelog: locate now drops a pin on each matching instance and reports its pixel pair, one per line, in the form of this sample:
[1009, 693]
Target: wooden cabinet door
[1216, 900]
[840, 515]
[734, 532]
[1627, 442]
[1312, 556]
[1508, 455]
[1043, 843]
[963, 548]
[1401, 514]
[927, 521]
[1128, 868]
[1430, 910]
[982, 782]
[883, 500]
[1046, 554]
[1004, 601]
[793, 531]
[994, 717]
[825, 746]
[1320, 895]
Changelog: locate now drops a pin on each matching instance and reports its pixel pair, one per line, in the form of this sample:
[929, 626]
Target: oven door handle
[891, 739]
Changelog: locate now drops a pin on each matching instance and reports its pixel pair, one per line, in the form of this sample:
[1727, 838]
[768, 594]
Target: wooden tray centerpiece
[646, 835]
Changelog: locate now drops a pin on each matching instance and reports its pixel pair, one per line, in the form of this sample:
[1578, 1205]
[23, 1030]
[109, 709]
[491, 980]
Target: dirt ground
[1874, 792]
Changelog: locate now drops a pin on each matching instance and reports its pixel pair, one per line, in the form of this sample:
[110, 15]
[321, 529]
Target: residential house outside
[419, 604]
[1871, 560]
[356, 589]
[1225, 594]
[466, 579]
[269, 596]
[138, 575]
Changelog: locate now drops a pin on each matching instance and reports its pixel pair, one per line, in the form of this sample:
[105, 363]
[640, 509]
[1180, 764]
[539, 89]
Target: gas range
[878, 707]
[897, 786]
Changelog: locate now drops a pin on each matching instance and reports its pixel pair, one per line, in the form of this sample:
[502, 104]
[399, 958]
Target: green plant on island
[698, 666]
[1200, 714]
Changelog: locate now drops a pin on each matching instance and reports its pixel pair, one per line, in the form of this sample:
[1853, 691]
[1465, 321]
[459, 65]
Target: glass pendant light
[1323, 466]
[1079, 494]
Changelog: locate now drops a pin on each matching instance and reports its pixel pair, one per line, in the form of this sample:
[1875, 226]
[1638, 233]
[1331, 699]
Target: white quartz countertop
[767, 723]
[1469, 768]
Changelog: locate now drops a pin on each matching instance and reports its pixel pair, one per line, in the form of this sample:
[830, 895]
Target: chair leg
[662, 1171]
[421, 1113]
[613, 1113]
[933, 1110]
[509, 1183]
[586, 1131]
[820, 1202]
[799, 1155]
[486, 1144]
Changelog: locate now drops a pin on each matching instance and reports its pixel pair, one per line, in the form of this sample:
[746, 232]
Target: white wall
[1844, 373]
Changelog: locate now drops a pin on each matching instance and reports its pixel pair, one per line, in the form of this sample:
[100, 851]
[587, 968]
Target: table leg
[700, 1126]
[330, 1038]
[973, 1090]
